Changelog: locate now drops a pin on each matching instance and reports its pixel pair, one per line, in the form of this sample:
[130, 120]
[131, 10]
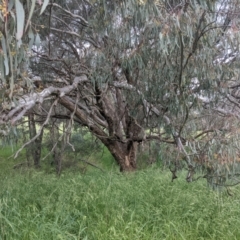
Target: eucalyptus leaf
[4, 47]
[37, 40]
[1, 16]
[20, 18]
[31, 37]
[10, 5]
[45, 3]
[30, 13]
[3, 79]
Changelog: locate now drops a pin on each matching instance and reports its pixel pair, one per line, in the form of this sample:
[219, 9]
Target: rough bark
[35, 146]
[124, 154]
[121, 138]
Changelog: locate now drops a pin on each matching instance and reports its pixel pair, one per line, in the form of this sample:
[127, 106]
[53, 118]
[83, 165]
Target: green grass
[95, 205]
[6, 161]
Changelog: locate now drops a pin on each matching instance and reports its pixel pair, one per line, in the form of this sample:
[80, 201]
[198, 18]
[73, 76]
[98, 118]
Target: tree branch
[77, 35]
[71, 14]
[204, 132]
[30, 100]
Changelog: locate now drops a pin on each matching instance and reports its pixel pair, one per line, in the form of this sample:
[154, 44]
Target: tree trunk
[36, 146]
[37, 150]
[124, 154]
[57, 155]
[122, 135]
[57, 148]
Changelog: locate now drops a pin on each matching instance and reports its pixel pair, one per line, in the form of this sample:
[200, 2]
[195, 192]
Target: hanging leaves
[20, 19]
[45, 3]
[31, 37]
[13, 42]
[37, 40]
[4, 47]
[30, 13]
[10, 5]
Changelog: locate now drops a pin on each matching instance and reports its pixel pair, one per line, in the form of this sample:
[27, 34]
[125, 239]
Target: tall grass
[6, 161]
[142, 205]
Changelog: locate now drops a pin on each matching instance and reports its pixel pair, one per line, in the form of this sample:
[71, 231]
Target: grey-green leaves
[31, 38]
[20, 18]
[37, 40]
[4, 47]
[30, 13]
[16, 33]
[45, 3]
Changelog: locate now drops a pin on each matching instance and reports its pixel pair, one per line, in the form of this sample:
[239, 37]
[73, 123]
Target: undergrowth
[95, 205]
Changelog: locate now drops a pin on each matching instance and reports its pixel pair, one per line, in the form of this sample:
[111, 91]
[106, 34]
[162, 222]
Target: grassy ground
[96, 205]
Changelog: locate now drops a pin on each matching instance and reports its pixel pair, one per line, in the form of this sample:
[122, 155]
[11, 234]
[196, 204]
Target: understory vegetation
[109, 205]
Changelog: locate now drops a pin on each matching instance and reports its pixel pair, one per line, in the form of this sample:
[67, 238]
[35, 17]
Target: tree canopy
[130, 71]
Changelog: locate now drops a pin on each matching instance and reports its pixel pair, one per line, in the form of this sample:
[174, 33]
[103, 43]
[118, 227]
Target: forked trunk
[122, 135]
[124, 154]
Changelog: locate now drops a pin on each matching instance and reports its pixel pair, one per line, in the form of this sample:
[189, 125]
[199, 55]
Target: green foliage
[143, 205]
[20, 18]
[16, 34]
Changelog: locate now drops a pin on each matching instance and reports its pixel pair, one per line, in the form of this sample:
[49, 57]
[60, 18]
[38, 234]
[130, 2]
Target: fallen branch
[19, 165]
[91, 164]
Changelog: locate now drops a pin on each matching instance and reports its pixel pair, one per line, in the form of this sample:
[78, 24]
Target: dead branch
[91, 164]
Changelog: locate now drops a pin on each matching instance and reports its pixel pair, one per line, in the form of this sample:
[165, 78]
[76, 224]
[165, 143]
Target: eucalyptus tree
[134, 71]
